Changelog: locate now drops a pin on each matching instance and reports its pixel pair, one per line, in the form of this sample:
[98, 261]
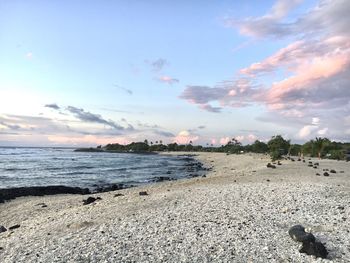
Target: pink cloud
[168, 80]
[185, 137]
[85, 140]
[224, 140]
[29, 55]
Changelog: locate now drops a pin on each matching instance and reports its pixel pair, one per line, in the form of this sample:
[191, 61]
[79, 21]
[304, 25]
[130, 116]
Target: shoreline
[240, 212]
[7, 194]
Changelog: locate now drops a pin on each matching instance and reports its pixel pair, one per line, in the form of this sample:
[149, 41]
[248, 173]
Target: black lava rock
[326, 174]
[161, 179]
[90, 200]
[119, 194]
[14, 227]
[315, 249]
[143, 193]
[12, 193]
[2, 229]
[333, 171]
[298, 233]
[309, 244]
[109, 188]
[317, 174]
[269, 165]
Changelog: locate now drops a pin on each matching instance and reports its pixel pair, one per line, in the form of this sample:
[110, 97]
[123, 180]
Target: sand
[240, 212]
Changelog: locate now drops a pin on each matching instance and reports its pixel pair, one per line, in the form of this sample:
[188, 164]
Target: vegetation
[276, 147]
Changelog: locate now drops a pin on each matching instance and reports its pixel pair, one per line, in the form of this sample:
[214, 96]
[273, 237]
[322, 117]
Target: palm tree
[319, 144]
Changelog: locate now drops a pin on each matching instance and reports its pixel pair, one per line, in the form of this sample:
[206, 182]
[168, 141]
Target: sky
[85, 73]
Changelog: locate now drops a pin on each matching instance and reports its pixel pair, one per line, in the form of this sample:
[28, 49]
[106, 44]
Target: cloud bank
[315, 68]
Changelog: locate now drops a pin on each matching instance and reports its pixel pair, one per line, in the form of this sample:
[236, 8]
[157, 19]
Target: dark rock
[310, 162]
[269, 165]
[279, 163]
[143, 193]
[161, 179]
[303, 161]
[326, 174]
[310, 165]
[333, 171]
[12, 193]
[317, 174]
[204, 175]
[119, 194]
[341, 172]
[109, 188]
[299, 159]
[316, 164]
[292, 159]
[315, 167]
[90, 200]
[315, 249]
[298, 233]
[2, 229]
[14, 227]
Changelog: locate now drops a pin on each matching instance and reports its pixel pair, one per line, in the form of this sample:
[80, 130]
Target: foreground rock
[297, 233]
[309, 244]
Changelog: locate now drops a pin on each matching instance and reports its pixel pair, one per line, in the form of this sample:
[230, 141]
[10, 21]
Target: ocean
[26, 167]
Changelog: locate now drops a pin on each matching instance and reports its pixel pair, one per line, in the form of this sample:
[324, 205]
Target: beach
[240, 211]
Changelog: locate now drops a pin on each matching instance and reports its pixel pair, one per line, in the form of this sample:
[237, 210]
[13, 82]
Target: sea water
[24, 167]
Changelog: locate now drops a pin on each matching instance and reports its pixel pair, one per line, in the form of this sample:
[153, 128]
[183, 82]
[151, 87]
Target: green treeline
[275, 147]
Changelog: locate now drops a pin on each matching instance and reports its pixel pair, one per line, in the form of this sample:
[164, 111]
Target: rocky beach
[240, 211]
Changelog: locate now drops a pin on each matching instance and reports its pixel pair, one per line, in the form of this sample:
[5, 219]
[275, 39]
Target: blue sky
[94, 72]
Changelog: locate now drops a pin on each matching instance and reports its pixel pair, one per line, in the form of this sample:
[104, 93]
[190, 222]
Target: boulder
[298, 233]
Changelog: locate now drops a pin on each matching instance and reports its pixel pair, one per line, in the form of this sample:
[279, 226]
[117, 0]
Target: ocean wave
[15, 169]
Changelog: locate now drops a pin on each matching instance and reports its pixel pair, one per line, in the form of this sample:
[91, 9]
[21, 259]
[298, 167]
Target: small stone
[14, 227]
[90, 200]
[269, 165]
[143, 193]
[332, 171]
[326, 174]
[317, 174]
[285, 209]
[2, 229]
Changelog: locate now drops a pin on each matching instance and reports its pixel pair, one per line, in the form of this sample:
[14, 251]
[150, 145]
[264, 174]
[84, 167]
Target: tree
[278, 146]
[320, 144]
[259, 147]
